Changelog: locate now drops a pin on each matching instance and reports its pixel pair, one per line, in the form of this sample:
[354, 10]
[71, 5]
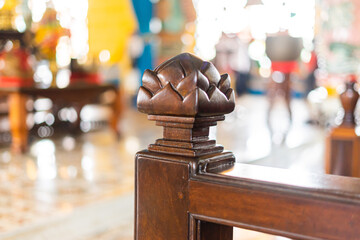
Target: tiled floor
[81, 187]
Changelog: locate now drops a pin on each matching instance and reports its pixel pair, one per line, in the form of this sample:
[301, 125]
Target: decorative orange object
[47, 34]
[15, 70]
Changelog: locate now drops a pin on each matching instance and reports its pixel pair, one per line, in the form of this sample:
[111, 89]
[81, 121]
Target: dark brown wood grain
[161, 199]
[161, 195]
[183, 86]
[172, 189]
[212, 231]
[341, 157]
[187, 187]
[274, 207]
[186, 136]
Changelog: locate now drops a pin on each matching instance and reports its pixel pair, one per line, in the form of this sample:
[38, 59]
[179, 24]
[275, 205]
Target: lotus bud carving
[185, 85]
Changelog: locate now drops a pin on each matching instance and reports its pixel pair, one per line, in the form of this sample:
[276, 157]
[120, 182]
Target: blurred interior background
[70, 71]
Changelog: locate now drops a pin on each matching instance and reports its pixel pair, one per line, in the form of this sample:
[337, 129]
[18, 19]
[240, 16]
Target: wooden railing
[187, 187]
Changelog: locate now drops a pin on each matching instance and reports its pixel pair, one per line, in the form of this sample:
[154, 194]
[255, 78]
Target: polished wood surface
[203, 195]
[342, 154]
[76, 95]
[293, 179]
[185, 86]
[161, 199]
[186, 136]
[315, 207]
[275, 201]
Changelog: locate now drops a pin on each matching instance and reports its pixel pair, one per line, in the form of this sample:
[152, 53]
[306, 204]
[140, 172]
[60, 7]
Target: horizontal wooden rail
[278, 201]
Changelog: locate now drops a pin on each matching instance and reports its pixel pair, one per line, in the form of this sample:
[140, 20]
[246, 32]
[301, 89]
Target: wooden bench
[187, 187]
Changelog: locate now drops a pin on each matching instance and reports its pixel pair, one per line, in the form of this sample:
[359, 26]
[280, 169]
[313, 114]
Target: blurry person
[283, 51]
[232, 57]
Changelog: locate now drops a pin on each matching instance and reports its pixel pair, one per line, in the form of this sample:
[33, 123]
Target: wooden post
[343, 144]
[185, 96]
[118, 108]
[18, 127]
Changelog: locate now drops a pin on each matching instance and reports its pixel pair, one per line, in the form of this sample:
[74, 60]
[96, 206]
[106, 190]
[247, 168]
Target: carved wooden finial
[349, 99]
[185, 85]
[186, 96]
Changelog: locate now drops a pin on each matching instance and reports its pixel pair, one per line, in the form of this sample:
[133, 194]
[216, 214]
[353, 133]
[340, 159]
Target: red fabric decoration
[284, 67]
[6, 81]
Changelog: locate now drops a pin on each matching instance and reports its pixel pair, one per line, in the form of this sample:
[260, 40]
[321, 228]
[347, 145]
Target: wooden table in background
[76, 95]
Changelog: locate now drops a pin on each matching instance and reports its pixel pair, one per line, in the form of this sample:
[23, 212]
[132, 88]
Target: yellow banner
[111, 23]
